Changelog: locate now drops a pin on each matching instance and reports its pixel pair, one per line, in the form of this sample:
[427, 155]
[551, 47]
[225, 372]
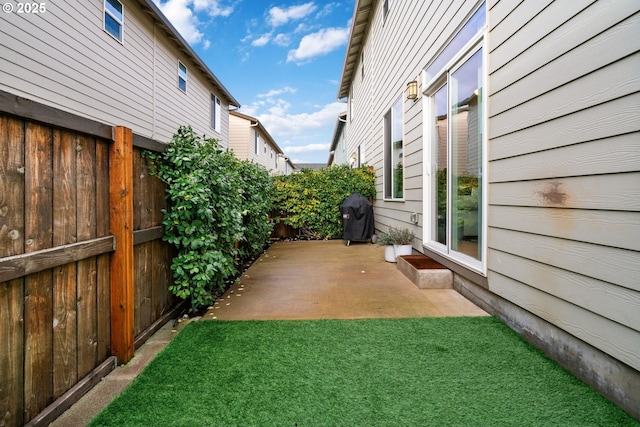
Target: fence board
[86, 280]
[102, 261]
[65, 373]
[38, 375]
[12, 354]
[11, 292]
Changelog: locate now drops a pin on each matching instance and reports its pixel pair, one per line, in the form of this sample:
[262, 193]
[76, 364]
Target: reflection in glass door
[456, 150]
[440, 162]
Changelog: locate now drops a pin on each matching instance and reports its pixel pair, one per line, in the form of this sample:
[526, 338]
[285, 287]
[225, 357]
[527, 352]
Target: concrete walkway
[296, 280]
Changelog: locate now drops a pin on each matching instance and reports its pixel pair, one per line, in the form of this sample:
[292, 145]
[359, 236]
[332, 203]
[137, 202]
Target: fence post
[121, 226]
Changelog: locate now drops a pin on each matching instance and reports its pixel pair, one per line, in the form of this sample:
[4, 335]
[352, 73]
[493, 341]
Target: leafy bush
[311, 199]
[218, 211]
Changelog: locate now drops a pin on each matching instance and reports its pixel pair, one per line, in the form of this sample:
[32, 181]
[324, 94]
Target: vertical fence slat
[102, 267]
[161, 277]
[142, 220]
[11, 292]
[86, 284]
[121, 226]
[38, 388]
[65, 373]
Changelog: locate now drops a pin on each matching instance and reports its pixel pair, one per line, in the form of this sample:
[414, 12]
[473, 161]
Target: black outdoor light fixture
[412, 90]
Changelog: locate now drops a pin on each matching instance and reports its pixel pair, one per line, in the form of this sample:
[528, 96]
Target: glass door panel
[466, 157]
[440, 161]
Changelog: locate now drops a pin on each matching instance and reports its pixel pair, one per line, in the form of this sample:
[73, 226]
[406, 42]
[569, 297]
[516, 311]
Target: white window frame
[119, 21]
[181, 77]
[388, 167]
[216, 108]
[256, 142]
[432, 83]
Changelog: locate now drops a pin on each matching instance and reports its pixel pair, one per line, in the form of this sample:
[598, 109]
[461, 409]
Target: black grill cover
[357, 218]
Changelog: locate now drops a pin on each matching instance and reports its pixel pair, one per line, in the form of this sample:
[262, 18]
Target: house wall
[343, 152]
[241, 137]
[242, 143]
[396, 50]
[563, 168]
[564, 162]
[64, 58]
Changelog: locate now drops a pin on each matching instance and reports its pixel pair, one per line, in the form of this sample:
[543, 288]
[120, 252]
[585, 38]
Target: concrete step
[425, 273]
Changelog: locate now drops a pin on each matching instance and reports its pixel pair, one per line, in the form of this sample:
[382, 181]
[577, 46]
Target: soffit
[359, 26]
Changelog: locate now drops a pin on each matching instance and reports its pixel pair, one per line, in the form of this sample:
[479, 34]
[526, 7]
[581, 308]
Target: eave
[359, 26]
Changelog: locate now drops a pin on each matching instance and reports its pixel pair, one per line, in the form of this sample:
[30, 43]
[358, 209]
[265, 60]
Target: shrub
[311, 199]
[396, 236]
[218, 204]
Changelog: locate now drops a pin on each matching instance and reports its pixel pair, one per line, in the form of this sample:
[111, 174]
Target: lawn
[470, 371]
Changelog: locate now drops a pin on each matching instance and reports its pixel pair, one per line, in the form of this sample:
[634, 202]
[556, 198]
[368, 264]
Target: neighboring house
[116, 62]
[506, 134]
[249, 140]
[340, 153]
[312, 166]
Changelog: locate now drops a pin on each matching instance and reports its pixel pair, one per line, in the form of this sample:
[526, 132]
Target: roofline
[359, 27]
[336, 132]
[150, 7]
[260, 126]
[340, 123]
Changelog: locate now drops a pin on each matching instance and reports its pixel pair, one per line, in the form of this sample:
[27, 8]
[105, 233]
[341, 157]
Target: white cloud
[181, 15]
[213, 7]
[282, 124]
[262, 40]
[319, 43]
[275, 92]
[307, 148]
[282, 39]
[182, 18]
[279, 16]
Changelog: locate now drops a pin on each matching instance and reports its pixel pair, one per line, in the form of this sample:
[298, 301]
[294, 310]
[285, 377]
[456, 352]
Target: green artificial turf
[471, 371]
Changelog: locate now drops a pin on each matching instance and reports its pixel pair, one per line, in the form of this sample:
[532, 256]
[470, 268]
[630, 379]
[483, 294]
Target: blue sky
[280, 59]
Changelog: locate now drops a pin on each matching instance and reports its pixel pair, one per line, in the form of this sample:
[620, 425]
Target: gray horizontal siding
[564, 151]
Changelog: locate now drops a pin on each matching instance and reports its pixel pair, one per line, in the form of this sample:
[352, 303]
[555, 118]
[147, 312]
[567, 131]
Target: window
[215, 113]
[256, 142]
[393, 152]
[351, 103]
[182, 77]
[113, 18]
[456, 122]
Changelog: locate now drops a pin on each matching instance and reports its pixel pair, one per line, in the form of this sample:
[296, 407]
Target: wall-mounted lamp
[412, 90]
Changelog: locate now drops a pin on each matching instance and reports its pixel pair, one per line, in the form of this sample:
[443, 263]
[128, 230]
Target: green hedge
[218, 213]
[311, 199]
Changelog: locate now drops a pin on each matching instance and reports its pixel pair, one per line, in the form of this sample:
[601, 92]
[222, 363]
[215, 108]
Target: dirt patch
[421, 262]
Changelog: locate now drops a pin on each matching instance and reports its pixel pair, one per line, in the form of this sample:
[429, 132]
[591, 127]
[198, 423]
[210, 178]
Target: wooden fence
[83, 272]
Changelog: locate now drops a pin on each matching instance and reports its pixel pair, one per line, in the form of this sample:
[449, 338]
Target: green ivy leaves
[311, 199]
[218, 213]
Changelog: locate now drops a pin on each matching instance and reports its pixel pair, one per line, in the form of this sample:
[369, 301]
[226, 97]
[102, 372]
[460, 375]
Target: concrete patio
[329, 280]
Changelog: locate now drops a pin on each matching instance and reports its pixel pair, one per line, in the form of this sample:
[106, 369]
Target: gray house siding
[564, 152]
[65, 59]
